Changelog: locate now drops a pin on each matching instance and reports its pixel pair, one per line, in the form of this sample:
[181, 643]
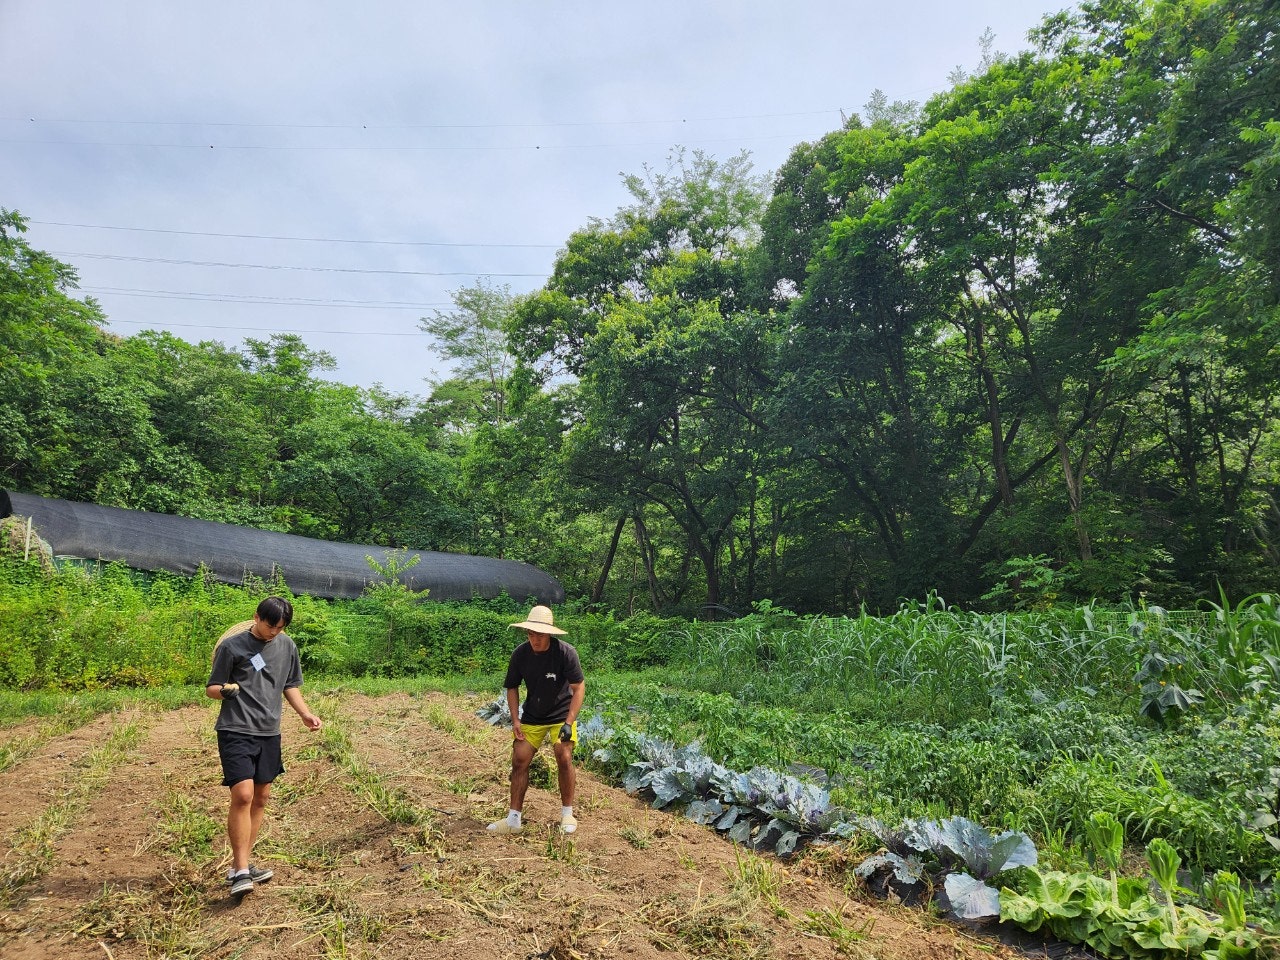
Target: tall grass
[935, 664]
[106, 627]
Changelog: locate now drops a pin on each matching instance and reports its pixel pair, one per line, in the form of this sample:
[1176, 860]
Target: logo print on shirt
[550, 676]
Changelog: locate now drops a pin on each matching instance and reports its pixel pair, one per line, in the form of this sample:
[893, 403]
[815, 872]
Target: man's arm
[575, 704]
[294, 696]
[513, 704]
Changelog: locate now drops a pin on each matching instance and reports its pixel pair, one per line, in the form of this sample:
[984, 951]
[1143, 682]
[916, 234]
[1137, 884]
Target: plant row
[955, 860]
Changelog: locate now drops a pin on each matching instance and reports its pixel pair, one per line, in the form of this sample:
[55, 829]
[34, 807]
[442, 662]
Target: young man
[251, 670]
[554, 691]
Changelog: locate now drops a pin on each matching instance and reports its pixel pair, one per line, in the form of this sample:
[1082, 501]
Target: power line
[261, 236]
[258, 329]
[201, 297]
[281, 266]
[412, 149]
[419, 126]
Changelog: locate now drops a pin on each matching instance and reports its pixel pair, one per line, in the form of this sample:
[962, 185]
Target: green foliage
[1120, 919]
[1016, 344]
[1027, 583]
[1163, 700]
[105, 627]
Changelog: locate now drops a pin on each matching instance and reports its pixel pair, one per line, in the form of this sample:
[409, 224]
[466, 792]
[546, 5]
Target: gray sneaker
[260, 874]
[241, 884]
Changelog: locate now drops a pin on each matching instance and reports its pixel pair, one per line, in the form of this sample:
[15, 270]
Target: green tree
[358, 476]
[647, 312]
[472, 337]
[45, 334]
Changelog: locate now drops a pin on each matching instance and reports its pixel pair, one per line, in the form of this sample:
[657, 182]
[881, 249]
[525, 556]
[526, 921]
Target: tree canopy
[1017, 343]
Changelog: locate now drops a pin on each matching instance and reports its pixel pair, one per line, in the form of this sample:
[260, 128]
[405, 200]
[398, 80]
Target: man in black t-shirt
[554, 690]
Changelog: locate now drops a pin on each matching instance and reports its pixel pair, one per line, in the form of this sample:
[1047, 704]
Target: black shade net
[157, 541]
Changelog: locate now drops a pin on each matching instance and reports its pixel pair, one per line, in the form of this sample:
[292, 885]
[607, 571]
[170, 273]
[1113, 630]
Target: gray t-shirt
[264, 670]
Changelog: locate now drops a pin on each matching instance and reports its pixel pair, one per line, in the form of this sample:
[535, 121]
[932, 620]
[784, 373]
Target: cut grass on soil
[33, 846]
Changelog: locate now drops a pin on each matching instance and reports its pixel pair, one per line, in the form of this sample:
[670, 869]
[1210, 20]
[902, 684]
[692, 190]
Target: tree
[472, 336]
[359, 477]
[45, 334]
[647, 312]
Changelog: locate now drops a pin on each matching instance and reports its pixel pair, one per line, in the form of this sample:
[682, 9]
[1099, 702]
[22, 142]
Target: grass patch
[183, 830]
[758, 881]
[81, 707]
[33, 846]
[447, 723]
[719, 928]
[19, 749]
[165, 922]
[836, 927]
[390, 801]
[475, 890]
[640, 839]
[333, 911]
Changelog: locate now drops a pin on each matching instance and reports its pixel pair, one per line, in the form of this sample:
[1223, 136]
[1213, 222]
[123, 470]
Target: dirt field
[114, 833]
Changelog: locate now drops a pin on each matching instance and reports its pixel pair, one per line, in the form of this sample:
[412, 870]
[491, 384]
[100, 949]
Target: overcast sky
[232, 169]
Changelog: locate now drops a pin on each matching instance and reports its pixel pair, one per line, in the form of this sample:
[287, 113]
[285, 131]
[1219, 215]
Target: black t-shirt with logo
[546, 677]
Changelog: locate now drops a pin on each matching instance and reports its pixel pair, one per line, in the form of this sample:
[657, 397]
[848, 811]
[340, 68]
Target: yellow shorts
[535, 733]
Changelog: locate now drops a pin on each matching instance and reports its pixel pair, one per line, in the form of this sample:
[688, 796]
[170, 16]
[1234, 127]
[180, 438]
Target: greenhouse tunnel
[231, 554]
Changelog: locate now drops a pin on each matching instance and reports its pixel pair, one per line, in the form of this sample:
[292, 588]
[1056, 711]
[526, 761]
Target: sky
[336, 170]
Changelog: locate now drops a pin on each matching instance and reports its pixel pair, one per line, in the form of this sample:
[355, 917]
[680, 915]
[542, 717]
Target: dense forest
[1017, 344]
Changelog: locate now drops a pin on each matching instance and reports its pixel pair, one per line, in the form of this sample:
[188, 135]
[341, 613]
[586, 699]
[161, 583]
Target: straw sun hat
[540, 621]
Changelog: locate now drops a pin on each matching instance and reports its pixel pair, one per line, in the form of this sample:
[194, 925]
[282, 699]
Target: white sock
[233, 872]
[513, 817]
[566, 812]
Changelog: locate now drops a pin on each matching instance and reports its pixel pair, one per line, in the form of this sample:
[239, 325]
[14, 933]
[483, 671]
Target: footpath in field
[377, 839]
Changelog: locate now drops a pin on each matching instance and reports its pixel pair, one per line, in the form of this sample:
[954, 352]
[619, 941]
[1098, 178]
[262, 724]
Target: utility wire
[259, 329]
[261, 236]
[201, 297]
[281, 266]
[419, 126]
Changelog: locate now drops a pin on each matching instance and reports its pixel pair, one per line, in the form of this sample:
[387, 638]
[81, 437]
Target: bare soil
[381, 851]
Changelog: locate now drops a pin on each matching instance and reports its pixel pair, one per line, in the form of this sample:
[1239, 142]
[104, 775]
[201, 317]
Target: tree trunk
[646, 555]
[597, 591]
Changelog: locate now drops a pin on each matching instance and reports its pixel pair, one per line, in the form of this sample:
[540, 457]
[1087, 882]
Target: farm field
[114, 828]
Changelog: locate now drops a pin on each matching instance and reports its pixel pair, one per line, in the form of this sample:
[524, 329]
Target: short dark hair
[276, 611]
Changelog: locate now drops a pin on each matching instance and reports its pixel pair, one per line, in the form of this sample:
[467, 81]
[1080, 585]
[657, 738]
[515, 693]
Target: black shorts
[246, 757]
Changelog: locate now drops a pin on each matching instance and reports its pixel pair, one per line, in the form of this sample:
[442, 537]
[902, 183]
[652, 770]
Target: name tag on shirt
[257, 661]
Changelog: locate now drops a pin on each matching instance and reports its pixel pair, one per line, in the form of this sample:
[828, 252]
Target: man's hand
[230, 690]
[566, 732]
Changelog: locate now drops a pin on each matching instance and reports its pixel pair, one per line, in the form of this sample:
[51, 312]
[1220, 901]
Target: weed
[428, 839]
[388, 800]
[310, 857]
[183, 830]
[542, 774]
[20, 748]
[640, 839]
[560, 847]
[165, 921]
[712, 927]
[477, 891]
[756, 880]
[442, 720]
[333, 911]
[837, 928]
[464, 786]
